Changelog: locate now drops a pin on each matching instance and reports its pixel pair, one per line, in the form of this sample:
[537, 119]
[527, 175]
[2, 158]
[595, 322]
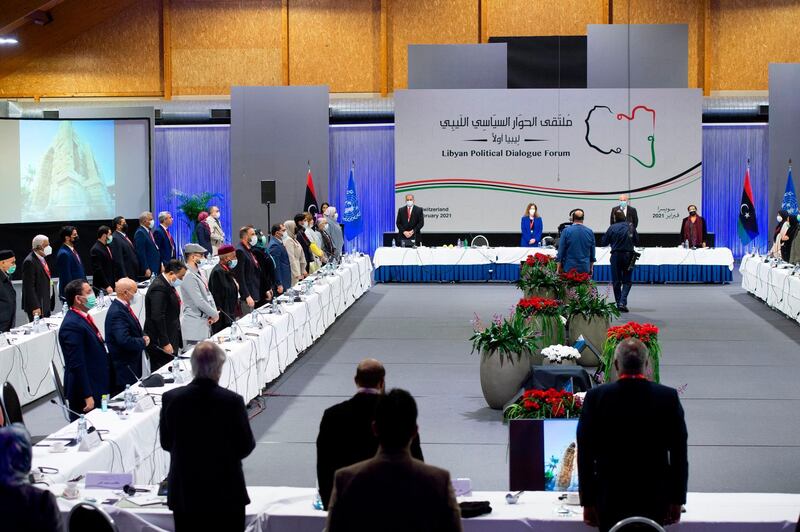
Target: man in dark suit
[68, 262]
[631, 216]
[103, 261]
[410, 220]
[205, 429]
[126, 264]
[267, 269]
[37, 287]
[147, 251]
[8, 296]
[247, 270]
[164, 241]
[86, 369]
[276, 249]
[345, 432]
[124, 335]
[162, 310]
[632, 446]
[393, 490]
[224, 287]
[621, 236]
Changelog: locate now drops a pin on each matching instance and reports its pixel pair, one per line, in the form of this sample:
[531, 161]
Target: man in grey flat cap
[199, 308]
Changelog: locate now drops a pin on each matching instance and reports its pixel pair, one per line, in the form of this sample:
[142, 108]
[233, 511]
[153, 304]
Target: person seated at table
[205, 429]
[345, 432]
[393, 489]
[693, 229]
[23, 507]
[531, 226]
[224, 288]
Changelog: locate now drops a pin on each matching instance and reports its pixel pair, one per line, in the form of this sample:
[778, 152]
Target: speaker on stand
[268, 198]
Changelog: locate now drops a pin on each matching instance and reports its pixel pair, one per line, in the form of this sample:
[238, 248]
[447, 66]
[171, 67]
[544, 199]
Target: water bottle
[37, 324]
[104, 403]
[254, 319]
[458, 242]
[81, 428]
[128, 398]
[176, 372]
[64, 309]
[394, 244]
[317, 500]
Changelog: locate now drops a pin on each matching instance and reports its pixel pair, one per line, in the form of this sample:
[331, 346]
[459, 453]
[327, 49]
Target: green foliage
[191, 205]
[586, 301]
[505, 337]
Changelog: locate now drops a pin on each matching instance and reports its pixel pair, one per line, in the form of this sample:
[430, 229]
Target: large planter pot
[500, 382]
[549, 293]
[594, 330]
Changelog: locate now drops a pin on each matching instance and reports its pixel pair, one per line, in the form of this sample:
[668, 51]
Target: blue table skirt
[668, 273]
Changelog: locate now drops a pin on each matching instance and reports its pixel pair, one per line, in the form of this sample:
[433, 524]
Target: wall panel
[219, 43]
[119, 57]
[335, 43]
[511, 18]
[430, 22]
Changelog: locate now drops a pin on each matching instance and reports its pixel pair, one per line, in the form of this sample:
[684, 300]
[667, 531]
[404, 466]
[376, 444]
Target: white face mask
[779, 218]
[152, 224]
[532, 212]
[252, 240]
[335, 216]
[215, 215]
[409, 204]
[134, 298]
[47, 251]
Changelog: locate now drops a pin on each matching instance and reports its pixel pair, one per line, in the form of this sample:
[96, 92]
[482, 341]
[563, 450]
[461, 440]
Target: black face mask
[124, 227]
[75, 239]
[692, 213]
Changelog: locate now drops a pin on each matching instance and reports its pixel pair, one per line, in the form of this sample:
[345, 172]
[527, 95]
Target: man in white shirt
[217, 234]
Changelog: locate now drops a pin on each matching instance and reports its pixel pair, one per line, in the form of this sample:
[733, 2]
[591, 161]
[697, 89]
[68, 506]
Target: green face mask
[109, 239]
[91, 301]
[12, 269]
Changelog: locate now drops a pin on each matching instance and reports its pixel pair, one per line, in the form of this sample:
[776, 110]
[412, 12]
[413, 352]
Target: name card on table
[462, 487]
[113, 481]
[144, 403]
[90, 441]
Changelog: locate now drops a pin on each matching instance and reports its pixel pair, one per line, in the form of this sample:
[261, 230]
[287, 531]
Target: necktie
[45, 266]
[76, 256]
[94, 327]
[110, 256]
[176, 295]
[409, 214]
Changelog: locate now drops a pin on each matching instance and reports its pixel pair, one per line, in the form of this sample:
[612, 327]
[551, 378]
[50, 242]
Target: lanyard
[638, 376]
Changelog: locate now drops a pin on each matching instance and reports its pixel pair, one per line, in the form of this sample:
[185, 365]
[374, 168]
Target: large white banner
[475, 158]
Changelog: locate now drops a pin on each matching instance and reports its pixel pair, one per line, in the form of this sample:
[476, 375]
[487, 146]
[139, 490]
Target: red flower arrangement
[646, 332]
[538, 259]
[574, 277]
[544, 404]
[538, 305]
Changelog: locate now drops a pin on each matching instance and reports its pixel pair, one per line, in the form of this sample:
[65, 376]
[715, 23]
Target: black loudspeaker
[268, 192]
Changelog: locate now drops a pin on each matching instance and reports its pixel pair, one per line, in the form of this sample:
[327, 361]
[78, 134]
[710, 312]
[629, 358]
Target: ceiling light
[8, 40]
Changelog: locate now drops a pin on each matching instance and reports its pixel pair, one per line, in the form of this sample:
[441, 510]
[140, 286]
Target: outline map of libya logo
[651, 138]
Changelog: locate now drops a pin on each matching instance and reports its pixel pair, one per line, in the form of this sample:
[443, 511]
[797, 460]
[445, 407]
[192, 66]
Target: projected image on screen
[560, 455]
[67, 170]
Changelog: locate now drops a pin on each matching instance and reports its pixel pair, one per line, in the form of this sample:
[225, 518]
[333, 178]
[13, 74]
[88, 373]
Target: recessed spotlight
[8, 40]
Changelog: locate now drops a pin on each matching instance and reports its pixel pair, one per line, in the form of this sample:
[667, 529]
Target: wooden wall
[202, 47]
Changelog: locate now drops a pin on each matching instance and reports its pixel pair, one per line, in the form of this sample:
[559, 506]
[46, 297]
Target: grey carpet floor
[737, 362]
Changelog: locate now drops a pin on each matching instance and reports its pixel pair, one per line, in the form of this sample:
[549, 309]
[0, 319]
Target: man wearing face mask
[335, 230]
[693, 229]
[410, 220]
[217, 234]
[68, 262]
[267, 267]
[283, 269]
[146, 247]
[38, 296]
[124, 335]
[224, 287]
[126, 264]
[162, 310]
[631, 216]
[199, 308]
[8, 296]
[247, 270]
[103, 261]
[86, 368]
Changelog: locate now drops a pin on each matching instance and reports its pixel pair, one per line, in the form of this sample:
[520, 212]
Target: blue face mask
[91, 302]
[177, 282]
[12, 269]
[623, 204]
[233, 263]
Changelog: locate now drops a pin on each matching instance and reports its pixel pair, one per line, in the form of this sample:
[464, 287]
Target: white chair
[480, 241]
[638, 521]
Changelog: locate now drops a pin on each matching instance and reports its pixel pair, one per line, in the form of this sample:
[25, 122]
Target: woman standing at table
[531, 227]
[781, 239]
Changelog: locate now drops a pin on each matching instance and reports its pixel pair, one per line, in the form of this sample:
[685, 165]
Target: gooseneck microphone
[93, 428]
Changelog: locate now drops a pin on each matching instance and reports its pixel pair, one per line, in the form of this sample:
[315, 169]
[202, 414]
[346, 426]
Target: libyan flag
[310, 204]
[748, 227]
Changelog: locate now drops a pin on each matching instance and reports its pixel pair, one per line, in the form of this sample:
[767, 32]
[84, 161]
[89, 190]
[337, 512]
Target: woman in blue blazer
[531, 227]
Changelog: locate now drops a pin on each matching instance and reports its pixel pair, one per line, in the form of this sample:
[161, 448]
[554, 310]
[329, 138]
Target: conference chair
[480, 241]
[649, 523]
[87, 517]
[13, 408]
[59, 386]
[3, 415]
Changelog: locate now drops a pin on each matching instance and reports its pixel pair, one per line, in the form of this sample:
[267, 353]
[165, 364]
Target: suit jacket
[102, 266]
[28, 508]
[205, 429]
[147, 251]
[346, 437]
[203, 233]
[198, 306]
[124, 338]
[631, 216]
[162, 310]
[126, 263]
[415, 223]
[8, 303]
[396, 491]
[37, 289]
[86, 371]
[267, 268]
[223, 287]
[639, 423]
[165, 243]
[69, 268]
[528, 233]
[576, 248]
[283, 270]
[247, 273]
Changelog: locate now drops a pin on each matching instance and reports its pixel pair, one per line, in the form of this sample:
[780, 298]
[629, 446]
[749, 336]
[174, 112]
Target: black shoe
[623, 308]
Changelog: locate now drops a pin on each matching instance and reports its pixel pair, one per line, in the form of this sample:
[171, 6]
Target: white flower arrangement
[556, 354]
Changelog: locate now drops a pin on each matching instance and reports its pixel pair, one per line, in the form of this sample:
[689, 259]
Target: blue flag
[353, 224]
[789, 197]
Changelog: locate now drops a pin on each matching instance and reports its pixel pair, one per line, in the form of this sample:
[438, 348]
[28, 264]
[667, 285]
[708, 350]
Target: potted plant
[505, 346]
[560, 355]
[647, 333]
[191, 205]
[589, 314]
[544, 315]
[538, 277]
[544, 404]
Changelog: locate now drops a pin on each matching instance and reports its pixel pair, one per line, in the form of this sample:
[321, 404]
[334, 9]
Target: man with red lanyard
[163, 238]
[632, 446]
[86, 364]
[37, 284]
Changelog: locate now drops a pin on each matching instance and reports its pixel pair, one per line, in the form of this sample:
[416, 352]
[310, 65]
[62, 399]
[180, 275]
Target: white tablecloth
[774, 285]
[423, 256]
[132, 445]
[281, 509]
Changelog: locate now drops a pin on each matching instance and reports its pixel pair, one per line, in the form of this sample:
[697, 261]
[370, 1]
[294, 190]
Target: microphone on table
[154, 382]
[67, 409]
[235, 328]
